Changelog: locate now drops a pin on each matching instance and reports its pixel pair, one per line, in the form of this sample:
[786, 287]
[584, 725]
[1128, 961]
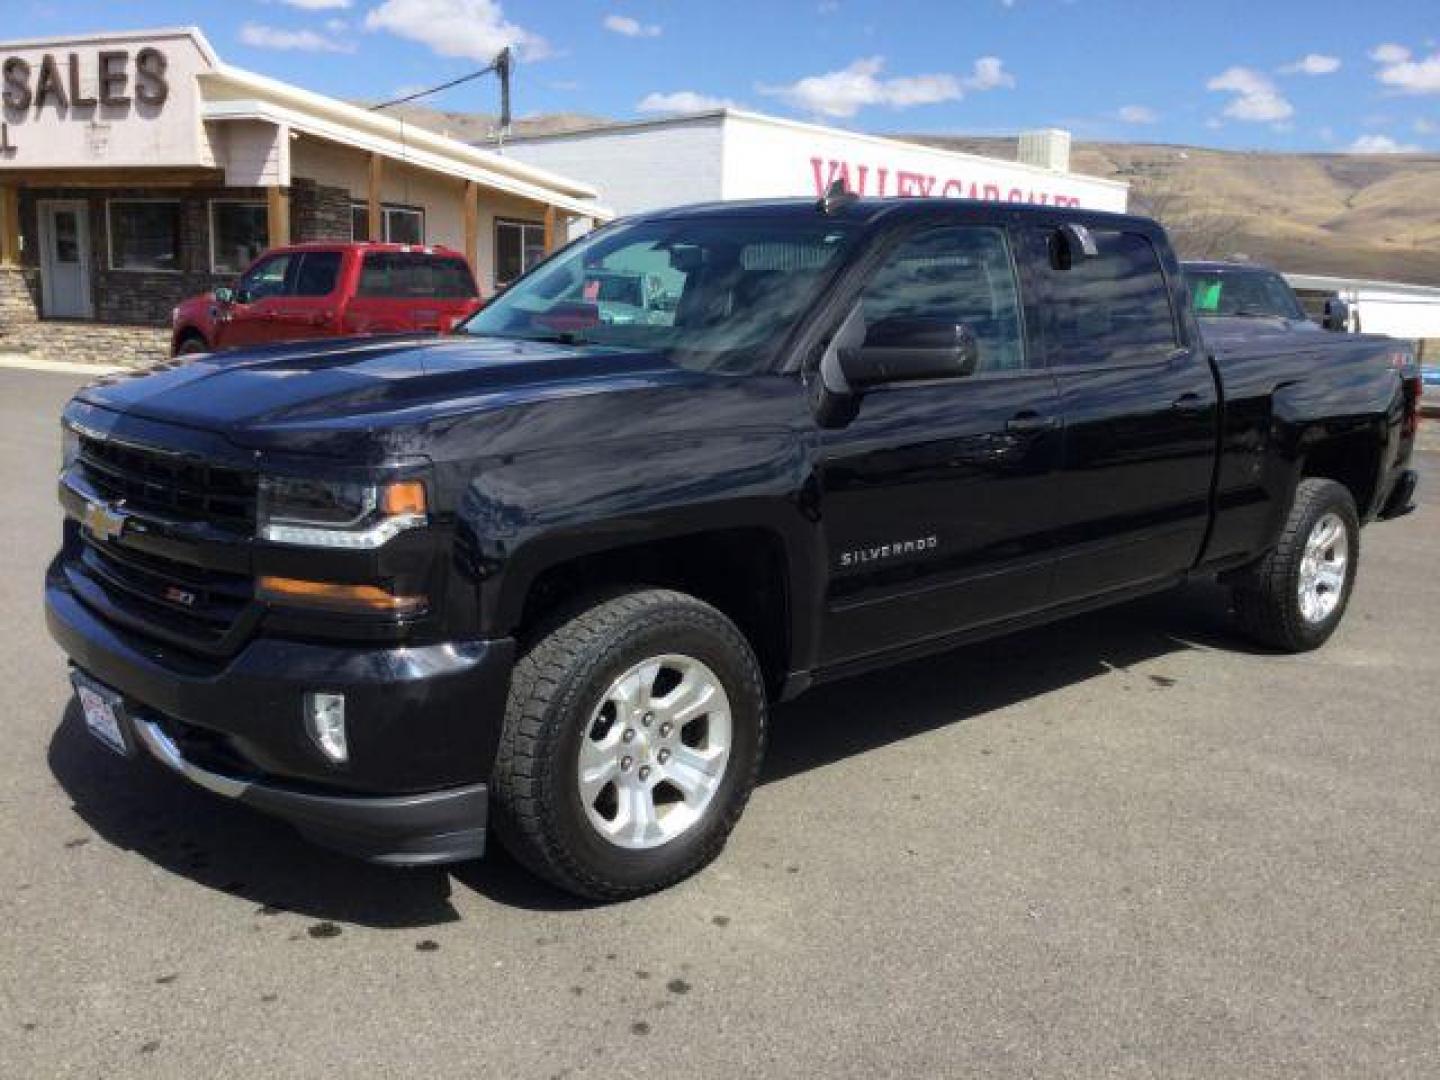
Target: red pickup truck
[330, 290]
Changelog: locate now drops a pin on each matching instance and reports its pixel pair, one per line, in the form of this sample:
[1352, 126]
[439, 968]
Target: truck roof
[867, 210]
[363, 245]
[1216, 266]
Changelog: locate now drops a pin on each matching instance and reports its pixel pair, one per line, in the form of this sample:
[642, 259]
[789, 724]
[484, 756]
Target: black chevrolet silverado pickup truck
[546, 573]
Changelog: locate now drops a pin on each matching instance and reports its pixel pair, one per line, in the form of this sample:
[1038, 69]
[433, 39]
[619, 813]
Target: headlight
[69, 446]
[338, 514]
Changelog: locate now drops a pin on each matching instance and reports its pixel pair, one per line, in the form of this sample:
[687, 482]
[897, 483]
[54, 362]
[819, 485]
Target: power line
[434, 89]
[502, 65]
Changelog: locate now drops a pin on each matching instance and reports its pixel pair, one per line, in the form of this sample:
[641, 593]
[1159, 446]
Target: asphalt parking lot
[1126, 845]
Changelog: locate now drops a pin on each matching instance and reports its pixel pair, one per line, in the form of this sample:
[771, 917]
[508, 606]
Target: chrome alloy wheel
[655, 751]
[1323, 568]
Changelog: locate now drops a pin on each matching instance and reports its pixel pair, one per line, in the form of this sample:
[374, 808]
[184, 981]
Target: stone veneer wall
[89, 343]
[318, 212]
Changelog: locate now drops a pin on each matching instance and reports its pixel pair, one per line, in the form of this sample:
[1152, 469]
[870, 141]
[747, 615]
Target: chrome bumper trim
[163, 747]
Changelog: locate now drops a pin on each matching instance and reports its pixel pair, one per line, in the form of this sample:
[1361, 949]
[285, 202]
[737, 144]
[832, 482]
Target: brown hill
[1351, 215]
[480, 127]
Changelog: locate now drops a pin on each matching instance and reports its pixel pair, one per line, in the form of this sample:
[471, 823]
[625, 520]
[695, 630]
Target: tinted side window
[452, 279]
[410, 275]
[956, 274]
[1110, 309]
[266, 278]
[317, 273]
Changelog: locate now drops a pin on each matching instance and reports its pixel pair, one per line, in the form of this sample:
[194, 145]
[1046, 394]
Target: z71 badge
[882, 552]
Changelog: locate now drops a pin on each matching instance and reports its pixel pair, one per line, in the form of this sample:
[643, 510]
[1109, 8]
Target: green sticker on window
[1207, 297]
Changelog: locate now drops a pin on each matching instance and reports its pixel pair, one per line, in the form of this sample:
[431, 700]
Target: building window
[239, 232]
[398, 224]
[519, 245]
[144, 235]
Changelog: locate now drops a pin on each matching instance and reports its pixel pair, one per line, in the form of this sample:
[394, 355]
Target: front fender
[529, 514]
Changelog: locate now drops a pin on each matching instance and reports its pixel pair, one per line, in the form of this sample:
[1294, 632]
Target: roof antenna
[837, 196]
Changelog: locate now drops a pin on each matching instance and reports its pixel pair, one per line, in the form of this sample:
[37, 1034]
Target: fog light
[325, 721]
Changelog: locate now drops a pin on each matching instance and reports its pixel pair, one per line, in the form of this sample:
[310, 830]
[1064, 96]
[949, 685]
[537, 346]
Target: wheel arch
[746, 571]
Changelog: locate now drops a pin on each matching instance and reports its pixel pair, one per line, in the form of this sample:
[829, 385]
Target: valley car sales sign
[781, 157]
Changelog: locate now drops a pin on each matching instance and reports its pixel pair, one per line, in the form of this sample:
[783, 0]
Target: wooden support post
[472, 223]
[549, 229]
[277, 216]
[372, 193]
[9, 225]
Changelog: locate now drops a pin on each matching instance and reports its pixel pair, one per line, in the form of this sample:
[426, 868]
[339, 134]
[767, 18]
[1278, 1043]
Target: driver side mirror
[1337, 315]
[224, 295]
[902, 349]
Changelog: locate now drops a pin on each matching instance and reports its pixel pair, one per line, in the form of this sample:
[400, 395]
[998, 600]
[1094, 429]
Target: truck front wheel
[632, 739]
[1294, 598]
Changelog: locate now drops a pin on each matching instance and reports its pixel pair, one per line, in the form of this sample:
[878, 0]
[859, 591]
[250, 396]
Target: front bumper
[423, 724]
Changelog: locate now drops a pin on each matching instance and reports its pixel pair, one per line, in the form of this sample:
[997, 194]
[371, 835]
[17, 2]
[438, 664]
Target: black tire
[192, 345]
[557, 685]
[1267, 596]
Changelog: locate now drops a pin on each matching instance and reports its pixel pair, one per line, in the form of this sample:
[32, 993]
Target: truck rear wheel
[633, 736]
[1294, 598]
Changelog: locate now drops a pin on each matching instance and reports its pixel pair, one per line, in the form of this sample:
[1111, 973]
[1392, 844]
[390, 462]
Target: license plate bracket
[104, 712]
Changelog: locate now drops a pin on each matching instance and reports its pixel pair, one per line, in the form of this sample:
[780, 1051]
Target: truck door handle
[1029, 421]
[1188, 403]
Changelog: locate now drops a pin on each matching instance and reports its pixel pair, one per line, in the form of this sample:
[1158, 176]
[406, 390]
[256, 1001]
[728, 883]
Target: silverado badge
[105, 520]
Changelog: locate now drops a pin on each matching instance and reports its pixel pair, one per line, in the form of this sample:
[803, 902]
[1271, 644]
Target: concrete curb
[22, 362]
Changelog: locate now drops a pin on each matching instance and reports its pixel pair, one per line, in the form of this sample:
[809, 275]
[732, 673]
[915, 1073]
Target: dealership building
[735, 154]
[138, 168]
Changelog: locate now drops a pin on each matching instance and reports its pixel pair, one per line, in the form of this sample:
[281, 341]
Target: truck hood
[370, 383]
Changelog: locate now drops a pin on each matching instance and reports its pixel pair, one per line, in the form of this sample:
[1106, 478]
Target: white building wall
[254, 154]
[441, 197]
[645, 167]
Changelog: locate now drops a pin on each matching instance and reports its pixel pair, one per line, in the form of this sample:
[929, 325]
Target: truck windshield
[1241, 294]
[719, 294]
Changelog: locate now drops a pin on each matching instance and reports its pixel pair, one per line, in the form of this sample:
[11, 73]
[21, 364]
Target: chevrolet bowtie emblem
[105, 520]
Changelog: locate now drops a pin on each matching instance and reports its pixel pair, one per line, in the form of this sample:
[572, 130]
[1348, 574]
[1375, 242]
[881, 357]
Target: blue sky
[1276, 74]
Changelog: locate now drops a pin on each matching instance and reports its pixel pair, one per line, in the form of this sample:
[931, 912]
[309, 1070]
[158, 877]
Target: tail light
[1413, 381]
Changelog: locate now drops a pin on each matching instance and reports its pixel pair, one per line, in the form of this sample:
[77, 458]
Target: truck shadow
[858, 715]
[141, 807]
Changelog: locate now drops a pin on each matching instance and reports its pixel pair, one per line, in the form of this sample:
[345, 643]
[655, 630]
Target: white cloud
[1413, 76]
[1426, 127]
[270, 37]
[1390, 53]
[336, 26]
[681, 101]
[1256, 98]
[828, 7]
[476, 29]
[628, 27]
[1381, 144]
[1137, 114]
[317, 5]
[989, 74]
[1313, 64]
[845, 92]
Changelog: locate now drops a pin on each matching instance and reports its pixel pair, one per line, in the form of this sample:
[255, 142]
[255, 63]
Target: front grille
[170, 484]
[199, 603]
